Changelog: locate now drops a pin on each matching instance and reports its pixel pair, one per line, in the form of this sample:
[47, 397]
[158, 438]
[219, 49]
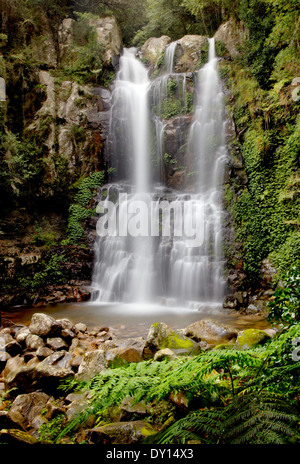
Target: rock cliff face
[73, 119]
[70, 123]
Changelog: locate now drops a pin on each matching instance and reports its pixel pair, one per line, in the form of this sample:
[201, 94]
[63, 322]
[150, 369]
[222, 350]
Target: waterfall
[123, 264]
[198, 274]
[166, 265]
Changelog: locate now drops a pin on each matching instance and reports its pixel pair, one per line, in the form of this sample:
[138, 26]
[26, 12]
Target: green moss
[250, 338]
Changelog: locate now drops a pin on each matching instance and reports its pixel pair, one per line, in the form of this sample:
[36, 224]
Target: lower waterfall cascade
[163, 267]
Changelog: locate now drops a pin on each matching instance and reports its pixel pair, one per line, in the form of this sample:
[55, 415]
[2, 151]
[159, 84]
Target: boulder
[191, 48]
[39, 375]
[93, 362]
[44, 325]
[162, 336]
[250, 338]
[211, 332]
[56, 343]
[109, 35]
[153, 48]
[120, 433]
[232, 34]
[18, 437]
[9, 420]
[29, 406]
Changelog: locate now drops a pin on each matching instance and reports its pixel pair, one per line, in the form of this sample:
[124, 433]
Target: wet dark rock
[13, 348]
[8, 420]
[230, 302]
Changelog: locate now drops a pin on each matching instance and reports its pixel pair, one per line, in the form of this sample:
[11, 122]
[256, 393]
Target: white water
[164, 269]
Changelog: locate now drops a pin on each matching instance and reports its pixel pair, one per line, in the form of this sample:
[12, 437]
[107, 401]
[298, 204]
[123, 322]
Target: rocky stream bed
[36, 358]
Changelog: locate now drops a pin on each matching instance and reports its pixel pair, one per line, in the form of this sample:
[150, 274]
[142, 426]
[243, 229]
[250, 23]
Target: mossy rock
[15, 436]
[120, 433]
[161, 337]
[250, 338]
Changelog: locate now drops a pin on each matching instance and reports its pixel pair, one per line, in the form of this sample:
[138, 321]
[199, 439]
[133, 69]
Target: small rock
[179, 399]
[33, 342]
[75, 363]
[68, 335]
[75, 408]
[54, 357]
[230, 302]
[4, 357]
[166, 353]
[52, 409]
[118, 358]
[129, 409]
[80, 327]
[43, 352]
[22, 334]
[65, 323]
[56, 343]
[271, 332]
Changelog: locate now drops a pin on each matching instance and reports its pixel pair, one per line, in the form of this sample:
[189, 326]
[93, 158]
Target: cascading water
[164, 267]
[197, 274]
[123, 263]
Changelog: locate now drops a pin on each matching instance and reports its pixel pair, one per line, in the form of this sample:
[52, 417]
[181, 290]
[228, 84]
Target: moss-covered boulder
[18, 437]
[119, 433]
[250, 338]
[162, 336]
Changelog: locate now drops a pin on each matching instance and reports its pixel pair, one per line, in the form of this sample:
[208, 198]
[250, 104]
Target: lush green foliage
[80, 210]
[166, 17]
[234, 396]
[285, 306]
[22, 167]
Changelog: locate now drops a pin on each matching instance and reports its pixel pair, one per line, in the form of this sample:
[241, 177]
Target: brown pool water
[134, 320]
